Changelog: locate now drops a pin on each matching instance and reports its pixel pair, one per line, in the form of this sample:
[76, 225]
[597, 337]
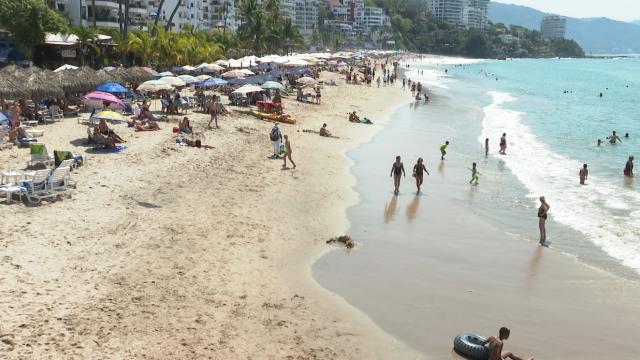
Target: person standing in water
[287, 152]
[503, 144]
[397, 170]
[443, 149]
[418, 172]
[599, 142]
[614, 138]
[474, 174]
[584, 173]
[486, 147]
[542, 218]
[628, 168]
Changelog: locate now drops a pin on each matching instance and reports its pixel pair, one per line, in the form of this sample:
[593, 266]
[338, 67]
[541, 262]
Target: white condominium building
[553, 27]
[462, 13]
[303, 13]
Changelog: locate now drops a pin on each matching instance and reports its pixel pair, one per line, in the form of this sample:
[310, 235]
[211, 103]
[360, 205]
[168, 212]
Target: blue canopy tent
[112, 88]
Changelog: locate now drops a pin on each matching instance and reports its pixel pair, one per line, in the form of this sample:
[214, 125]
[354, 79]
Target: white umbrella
[247, 72]
[234, 74]
[65, 67]
[188, 68]
[307, 81]
[166, 73]
[203, 77]
[224, 63]
[296, 62]
[188, 79]
[173, 80]
[248, 89]
[154, 85]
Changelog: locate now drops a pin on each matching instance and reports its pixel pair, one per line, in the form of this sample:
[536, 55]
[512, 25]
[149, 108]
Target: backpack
[275, 134]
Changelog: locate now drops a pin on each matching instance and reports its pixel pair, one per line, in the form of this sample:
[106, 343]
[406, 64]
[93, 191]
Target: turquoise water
[552, 133]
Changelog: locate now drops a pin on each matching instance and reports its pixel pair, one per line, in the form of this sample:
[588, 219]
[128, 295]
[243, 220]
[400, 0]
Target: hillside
[595, 35]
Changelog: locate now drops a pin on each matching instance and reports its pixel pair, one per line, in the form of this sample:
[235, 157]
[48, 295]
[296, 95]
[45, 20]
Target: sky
[624, 10]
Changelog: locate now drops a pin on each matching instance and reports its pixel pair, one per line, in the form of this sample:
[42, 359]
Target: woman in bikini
[542, 218]
[418, 172]
[397, 169]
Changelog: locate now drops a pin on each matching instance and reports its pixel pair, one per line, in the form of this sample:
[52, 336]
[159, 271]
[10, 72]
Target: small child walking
[475, 175]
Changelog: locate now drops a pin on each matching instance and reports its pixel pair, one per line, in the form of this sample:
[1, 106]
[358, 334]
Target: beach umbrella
[233, 74]
[165, 73]
[136, 75]
[248, 89]
[154, 85]
[296, 62]
[203, 77]
[97, 98]
[173, 80]
[213, 82]
[66, 67]
[224, 63]
[188, 68]
[246, 72]
[108, 115]
[148, 69]
[188, 79]
[3, 117]
[38, 86]
[112, 88]
[9, 87]
[272, 85]
[109, 68]
[306, 81]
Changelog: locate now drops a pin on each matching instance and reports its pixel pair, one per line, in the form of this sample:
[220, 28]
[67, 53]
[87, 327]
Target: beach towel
[37, 149]
[118, 149]
[60, 156]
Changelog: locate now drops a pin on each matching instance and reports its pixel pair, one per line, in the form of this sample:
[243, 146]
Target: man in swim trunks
[584, 173]
[614, 138]
[628, 168]
[503, 144]
[496, 344]
[443, 149]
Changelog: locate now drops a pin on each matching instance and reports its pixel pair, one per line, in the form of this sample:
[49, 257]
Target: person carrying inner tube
[496, 344]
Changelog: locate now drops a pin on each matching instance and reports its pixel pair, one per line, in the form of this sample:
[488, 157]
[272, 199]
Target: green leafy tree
[28, 21]
[87, 38]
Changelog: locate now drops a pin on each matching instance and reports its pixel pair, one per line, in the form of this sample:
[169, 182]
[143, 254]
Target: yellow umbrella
[108, 115]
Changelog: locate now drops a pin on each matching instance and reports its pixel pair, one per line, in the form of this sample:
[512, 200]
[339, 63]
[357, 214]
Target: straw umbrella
[139, 75]
[9, 88]
[104, 77]
[38, 86]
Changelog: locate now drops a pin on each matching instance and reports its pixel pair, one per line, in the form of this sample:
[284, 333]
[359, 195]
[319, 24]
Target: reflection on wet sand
[534, 265]
[441, 167]
[412, 208]
[390, 209]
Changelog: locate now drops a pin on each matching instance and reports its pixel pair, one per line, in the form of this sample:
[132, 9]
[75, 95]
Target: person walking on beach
[443, 149]
[542, 218]
[418, 172]
[503, 144]
[614, 138]
[496, 345]
[474, 174]
[213, 110]
[628, 168]
[404, 83]
[286, 152]
[486, 147]
[584, 173]
[397, 170]
[276, 139]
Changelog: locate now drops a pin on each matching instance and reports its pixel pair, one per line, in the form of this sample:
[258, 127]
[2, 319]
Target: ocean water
[434, 259]
[553, 115]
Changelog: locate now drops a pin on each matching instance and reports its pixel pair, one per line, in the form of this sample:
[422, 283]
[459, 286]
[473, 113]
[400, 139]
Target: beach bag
[283, 149]
[275, 134]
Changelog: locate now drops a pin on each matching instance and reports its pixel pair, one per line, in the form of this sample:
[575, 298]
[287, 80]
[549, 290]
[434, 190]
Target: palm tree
[142, 45]
[87, 41]
[253, 31]
[173, 13]
[158, 14]
[93, 12]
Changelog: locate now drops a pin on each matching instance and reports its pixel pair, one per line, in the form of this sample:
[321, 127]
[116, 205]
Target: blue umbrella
[213, 82]
[112, 88]
[2, 117]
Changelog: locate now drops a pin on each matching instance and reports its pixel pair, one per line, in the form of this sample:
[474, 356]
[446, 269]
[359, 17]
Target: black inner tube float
[470, 346]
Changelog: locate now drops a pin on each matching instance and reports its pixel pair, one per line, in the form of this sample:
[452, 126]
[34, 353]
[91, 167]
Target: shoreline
[431, 268]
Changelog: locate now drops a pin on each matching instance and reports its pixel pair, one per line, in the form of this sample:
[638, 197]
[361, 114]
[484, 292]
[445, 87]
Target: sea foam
[593, 210]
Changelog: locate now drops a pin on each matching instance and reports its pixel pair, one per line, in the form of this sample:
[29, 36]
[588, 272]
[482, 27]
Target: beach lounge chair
[58, 181]
[40, 156]
[55, 114]
[66, 159]
[36, 189]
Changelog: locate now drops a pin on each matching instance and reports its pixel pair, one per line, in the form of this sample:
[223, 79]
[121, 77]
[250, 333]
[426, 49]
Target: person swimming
[614, 138]
[599, 142]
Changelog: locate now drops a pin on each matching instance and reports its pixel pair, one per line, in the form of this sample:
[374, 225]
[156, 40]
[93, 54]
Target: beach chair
[36, 189]
[58, 181]
[27, 122]
[40, 156]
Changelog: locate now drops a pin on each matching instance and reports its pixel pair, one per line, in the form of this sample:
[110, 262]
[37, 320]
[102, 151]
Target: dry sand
[169, 252]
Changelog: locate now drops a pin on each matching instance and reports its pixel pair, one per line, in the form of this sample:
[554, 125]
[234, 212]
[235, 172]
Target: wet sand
[431, 266]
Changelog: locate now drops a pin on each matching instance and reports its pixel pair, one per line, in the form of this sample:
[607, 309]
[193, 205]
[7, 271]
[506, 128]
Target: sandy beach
[171, 252]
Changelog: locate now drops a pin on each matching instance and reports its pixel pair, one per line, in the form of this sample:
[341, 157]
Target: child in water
[443, 149]
[474, 174]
